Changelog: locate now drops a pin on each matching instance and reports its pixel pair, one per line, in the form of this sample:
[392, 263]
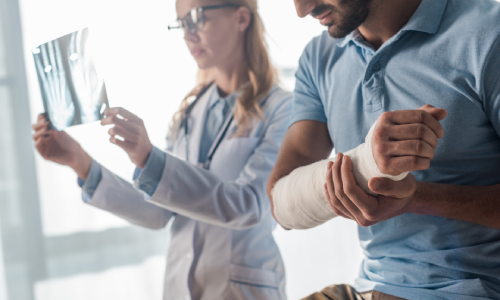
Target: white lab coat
[221, 245]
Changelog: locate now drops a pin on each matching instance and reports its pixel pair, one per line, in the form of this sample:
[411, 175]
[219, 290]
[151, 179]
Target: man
[435, 234]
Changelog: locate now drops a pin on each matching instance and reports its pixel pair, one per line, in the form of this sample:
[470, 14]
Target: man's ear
[244, 18]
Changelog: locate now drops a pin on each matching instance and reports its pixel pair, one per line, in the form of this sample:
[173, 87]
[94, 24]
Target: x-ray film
[72, 91]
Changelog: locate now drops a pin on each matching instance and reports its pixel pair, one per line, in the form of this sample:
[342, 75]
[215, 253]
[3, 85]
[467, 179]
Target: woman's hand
[59, 147]
[131, 128]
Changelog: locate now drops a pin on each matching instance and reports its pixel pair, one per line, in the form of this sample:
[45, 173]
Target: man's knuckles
[420, 148]
[421, 116]
[417, 163]
[364, 222]
[385, 165]
[381, 133]
[385, 117]
[382, 148]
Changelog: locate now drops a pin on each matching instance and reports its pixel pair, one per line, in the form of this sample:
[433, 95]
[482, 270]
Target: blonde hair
[261, 74]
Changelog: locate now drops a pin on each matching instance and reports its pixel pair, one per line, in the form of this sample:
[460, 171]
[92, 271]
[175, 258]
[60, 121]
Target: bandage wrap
[299, 199]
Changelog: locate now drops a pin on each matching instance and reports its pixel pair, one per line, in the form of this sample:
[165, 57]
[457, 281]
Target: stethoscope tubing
[220, 137]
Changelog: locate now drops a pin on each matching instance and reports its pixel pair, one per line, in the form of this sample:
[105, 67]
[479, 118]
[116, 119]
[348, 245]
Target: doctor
[222, 146]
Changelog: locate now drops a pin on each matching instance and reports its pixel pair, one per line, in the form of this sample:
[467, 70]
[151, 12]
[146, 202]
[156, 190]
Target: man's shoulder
[320, 48]
[470, 29]
[476, 19]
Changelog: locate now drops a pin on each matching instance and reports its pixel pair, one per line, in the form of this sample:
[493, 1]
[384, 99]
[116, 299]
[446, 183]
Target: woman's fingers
[43, 145]
[39, 125]
[115, 120]
[41, 140]
[40, 133]
[122, 144]
[124, 133]
[41, 118]
[40, 128]
[112, 111]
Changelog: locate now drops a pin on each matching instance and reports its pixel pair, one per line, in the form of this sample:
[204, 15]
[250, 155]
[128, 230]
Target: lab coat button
[188, 256]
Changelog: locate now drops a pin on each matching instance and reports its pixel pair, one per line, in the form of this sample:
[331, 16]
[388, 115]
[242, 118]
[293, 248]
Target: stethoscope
[220, 136]
[222, 133]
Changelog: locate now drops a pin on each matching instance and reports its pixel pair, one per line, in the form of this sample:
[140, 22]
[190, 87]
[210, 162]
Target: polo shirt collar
[350, 37]
[426, 18]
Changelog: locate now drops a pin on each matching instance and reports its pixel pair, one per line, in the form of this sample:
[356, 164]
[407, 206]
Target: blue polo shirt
[448, 55]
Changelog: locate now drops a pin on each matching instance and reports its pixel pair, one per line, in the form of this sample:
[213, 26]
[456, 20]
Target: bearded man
[435, 234]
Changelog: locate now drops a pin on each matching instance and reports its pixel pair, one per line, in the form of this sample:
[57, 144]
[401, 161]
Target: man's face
[340, 16]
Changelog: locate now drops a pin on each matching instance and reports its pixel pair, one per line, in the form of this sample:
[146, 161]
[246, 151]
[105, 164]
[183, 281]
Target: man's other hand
[405, 140]
[348, 200]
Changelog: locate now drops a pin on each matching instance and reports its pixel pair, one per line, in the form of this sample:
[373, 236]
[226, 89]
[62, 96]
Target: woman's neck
[230, 77]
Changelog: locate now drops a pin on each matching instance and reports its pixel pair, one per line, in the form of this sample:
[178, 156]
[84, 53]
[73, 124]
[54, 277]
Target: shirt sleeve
[491, 86]
[90, 185]
[238, 204]
[147, 180]
[307, 104]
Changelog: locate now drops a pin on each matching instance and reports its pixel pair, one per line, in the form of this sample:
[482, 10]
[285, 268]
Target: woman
[221, 149]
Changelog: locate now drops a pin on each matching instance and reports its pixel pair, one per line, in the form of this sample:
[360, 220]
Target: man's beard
[350, 14]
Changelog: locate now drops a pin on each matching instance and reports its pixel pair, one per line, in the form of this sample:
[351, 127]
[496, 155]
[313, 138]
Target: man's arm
[474, 204]
[305, 142]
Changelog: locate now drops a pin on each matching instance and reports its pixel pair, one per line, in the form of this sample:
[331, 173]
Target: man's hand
[405, 140]
[402, 141]
[131, 128]
[348, 200]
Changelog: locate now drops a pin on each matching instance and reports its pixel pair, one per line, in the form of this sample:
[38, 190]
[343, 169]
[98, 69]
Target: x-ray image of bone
[71, 90]
[52, 77]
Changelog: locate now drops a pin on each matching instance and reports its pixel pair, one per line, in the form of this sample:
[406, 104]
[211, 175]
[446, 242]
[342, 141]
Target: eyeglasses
[194, 20]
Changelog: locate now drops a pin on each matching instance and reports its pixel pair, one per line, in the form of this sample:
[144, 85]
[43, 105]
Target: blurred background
[52, 245]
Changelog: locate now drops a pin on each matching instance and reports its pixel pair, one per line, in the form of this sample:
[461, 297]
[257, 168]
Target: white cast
[299, 199]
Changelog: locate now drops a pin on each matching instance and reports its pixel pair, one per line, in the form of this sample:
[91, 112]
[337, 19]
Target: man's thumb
[438, 113]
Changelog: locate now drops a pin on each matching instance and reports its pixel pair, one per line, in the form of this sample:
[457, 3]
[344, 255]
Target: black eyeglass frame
[191, 24]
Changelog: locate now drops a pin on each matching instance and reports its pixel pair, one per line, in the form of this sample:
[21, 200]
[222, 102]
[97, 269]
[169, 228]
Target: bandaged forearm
[299, 199]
